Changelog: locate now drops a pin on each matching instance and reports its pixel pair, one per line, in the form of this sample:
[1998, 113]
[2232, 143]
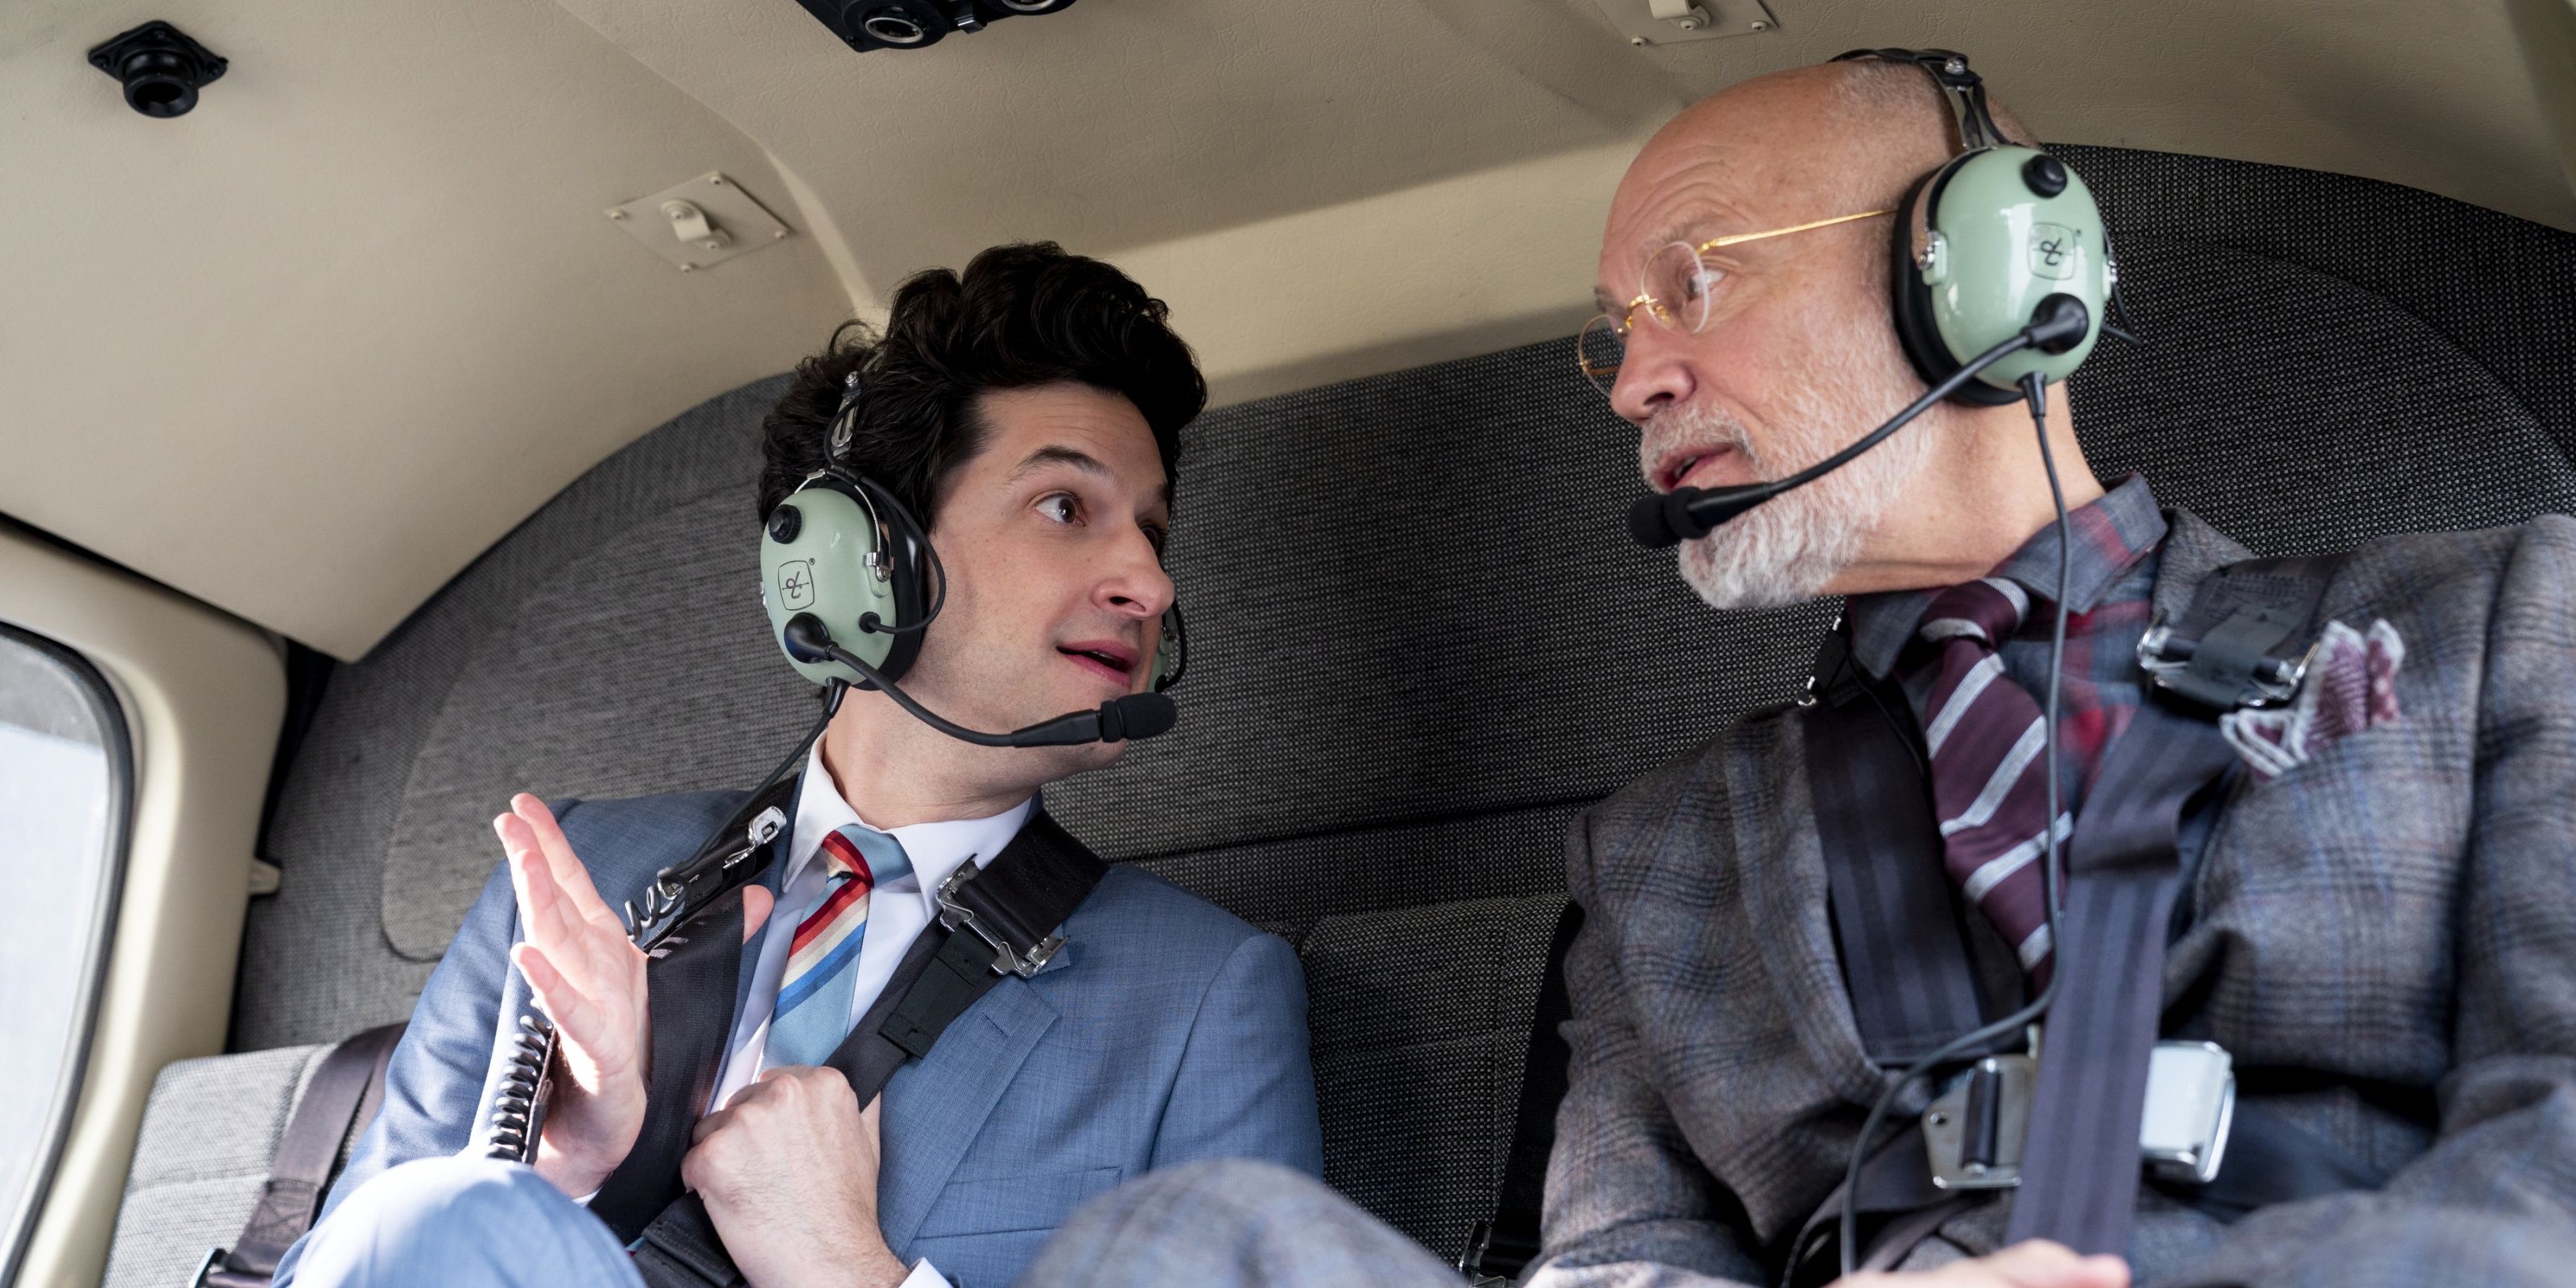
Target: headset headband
[844, 422]
[1965, 88]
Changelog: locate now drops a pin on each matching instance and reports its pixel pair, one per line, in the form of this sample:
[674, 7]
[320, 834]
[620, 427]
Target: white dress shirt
[897, 911]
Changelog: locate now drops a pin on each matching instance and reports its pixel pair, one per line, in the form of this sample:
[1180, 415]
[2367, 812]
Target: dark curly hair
[1020, 315]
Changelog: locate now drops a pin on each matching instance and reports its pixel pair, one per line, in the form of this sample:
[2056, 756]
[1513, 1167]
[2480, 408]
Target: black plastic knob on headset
[2044, 175]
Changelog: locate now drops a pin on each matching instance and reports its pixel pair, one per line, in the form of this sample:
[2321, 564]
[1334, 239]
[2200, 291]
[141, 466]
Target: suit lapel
[935, 1107]
[1783, 870]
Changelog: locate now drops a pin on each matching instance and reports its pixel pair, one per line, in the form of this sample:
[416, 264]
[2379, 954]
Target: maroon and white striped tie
[1988, 739]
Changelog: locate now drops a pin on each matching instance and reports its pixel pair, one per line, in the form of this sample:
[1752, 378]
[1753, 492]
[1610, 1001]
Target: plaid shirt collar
[2111, 534]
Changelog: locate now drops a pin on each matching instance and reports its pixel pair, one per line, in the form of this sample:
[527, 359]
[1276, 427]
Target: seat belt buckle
[1975, 1131]
[2191, 1104]
[1471, 1261]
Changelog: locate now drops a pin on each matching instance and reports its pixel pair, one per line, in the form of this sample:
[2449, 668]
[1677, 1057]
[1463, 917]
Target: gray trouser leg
[463, 1222]
[1230, 1223]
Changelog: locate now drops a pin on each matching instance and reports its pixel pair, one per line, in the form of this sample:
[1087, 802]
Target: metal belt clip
[2223, 679]
[1006, 959]
[765, 827]
[1975, 1131]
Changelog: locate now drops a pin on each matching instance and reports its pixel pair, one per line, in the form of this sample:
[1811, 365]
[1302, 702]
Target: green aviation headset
[844, 553]
[1980, 241]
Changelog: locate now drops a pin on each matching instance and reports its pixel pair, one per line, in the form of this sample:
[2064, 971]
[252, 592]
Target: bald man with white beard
[2423, 1037]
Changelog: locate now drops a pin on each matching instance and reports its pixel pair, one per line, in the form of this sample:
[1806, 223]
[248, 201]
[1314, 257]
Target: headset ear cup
[1910, 297]
[821, 551]
[906, 551]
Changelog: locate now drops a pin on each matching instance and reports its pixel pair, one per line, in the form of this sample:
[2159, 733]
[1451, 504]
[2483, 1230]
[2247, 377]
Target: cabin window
[65, 784]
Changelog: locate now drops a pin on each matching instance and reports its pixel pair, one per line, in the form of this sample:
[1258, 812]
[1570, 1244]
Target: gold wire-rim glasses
[1603, 376]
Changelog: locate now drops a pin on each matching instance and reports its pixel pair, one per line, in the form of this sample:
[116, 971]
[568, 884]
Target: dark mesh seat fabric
[1421, 639]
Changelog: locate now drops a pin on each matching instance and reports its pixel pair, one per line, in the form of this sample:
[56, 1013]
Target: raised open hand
[588, 978]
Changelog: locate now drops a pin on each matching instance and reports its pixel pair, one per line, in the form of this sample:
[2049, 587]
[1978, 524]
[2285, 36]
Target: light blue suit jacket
[1166, 1030]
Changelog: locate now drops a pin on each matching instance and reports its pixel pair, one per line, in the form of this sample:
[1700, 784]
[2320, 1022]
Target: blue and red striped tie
[813, 1012]
[1988, 741]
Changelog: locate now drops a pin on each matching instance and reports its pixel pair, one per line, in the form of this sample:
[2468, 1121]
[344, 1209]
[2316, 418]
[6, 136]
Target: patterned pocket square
[2351, 685]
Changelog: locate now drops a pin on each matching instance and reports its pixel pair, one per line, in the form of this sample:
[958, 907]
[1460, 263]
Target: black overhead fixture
[915, 24]
[160, 66]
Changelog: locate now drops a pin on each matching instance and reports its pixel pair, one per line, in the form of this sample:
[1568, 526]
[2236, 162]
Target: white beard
[1785, 550]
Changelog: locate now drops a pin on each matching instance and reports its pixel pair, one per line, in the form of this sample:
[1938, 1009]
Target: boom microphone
[1137, 715]
[1686, 513]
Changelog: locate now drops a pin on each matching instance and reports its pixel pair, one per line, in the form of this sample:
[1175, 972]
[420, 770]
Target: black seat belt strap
[689, 995]
[1032, 886]
[1504, 1245]
[1905, 965]
[2079, 1168]
[339, 1101]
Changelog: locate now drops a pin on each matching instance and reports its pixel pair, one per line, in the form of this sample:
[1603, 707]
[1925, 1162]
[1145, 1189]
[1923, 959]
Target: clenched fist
[788, 1171]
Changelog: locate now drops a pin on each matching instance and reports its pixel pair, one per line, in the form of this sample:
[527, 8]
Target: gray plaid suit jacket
[2385, 937]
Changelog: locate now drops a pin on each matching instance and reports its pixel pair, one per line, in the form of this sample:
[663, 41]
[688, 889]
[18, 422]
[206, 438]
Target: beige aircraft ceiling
[306, 351]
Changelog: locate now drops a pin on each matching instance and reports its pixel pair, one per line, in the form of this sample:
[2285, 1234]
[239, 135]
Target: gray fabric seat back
[1421, 641]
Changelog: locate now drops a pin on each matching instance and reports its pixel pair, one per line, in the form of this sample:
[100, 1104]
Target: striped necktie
[813, 1012]
[1988, 739]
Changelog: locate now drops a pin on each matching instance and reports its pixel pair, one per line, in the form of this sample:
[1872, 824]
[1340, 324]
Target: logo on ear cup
[796, 584]
[2054, 250]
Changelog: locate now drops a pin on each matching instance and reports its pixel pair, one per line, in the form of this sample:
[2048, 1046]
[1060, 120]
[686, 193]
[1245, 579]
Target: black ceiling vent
[916, 24]
[160, 66]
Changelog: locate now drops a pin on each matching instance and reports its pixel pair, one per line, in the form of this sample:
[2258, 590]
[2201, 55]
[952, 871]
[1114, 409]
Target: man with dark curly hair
[1028, 411]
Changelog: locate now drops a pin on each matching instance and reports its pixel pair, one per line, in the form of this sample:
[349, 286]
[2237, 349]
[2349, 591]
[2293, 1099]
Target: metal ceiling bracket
[701, 223]
[1667, 22]
[690, 224]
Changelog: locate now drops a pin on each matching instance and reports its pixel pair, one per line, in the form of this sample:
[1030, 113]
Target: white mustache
[1677, 428]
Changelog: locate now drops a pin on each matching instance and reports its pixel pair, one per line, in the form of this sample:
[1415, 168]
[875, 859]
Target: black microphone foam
[1651, 520]
[1138, 715]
